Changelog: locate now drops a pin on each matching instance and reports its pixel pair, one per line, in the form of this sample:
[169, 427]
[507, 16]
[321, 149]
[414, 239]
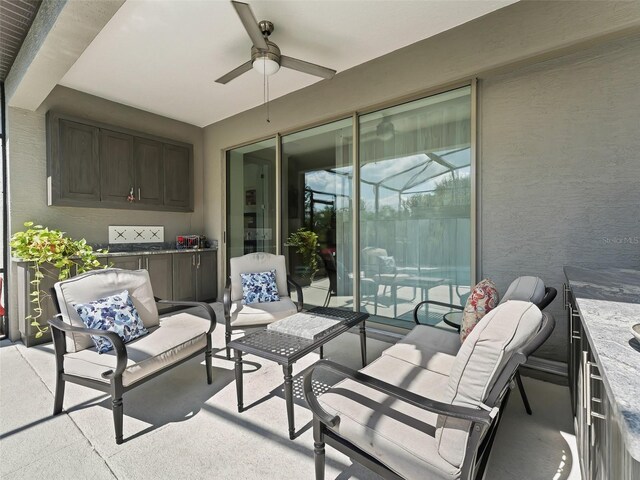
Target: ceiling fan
[265, 55]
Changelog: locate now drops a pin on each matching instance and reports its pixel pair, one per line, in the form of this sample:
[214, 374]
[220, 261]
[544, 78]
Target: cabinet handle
[147, 262]
[564, 296]
[140, 263]
[193, 260]
[138, 193]
[588, 376]
[198, 266]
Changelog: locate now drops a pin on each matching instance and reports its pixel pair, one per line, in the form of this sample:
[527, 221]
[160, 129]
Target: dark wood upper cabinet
[178, 176]
[91, 164]
[78, 178]
[149, 171]
[116, 166]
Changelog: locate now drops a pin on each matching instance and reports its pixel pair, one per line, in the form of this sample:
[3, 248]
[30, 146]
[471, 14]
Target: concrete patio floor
[177, 426]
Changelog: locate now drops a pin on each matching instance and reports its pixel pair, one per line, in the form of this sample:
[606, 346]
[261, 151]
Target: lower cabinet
[195, 276]
[176, 276]
[602, 451]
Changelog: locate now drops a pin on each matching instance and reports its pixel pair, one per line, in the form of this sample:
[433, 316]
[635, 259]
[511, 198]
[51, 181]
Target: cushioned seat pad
[432, 348]
[399, 434]
[261, 313]
[178, 336]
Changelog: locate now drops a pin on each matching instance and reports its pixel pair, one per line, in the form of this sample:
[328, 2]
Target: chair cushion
[527, 289]
[398, 434]
[481, 359]
[177, 337]
[102, 283]
[257, 262]
[483, 299]
[261, 313]
[115, 313]
[427, 347]
[259, 287]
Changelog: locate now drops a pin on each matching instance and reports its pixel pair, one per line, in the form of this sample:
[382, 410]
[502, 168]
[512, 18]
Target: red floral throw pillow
[482, 300]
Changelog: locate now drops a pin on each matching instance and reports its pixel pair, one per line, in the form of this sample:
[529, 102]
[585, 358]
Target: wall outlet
[136, 234]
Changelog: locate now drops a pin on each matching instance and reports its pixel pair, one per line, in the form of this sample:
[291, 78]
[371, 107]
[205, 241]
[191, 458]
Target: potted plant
[306, 244]
[51, 255]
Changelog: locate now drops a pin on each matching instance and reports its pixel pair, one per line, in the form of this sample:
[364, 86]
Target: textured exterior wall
[560, 169]
[28, 166]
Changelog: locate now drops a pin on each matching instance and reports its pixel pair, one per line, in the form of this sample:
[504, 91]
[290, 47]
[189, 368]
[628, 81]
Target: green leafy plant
[306, 244]
[53, 255]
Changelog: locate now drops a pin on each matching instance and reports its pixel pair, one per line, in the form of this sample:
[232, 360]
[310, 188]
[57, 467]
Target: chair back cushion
[477, 366]
[97, 284]
[255, 263]
[527, 289]
[483, 299]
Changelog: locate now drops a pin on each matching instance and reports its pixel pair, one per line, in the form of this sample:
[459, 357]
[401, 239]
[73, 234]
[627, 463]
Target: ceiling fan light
[265, 66]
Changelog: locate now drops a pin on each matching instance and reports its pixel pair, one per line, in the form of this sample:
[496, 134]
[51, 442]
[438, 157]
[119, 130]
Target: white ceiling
[163, 56]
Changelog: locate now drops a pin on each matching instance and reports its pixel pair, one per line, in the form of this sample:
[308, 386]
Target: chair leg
[327, 299]
[318, 449]
[227, 339]
[118, 411]
[207, 362]
[59, 394]
[523, 394]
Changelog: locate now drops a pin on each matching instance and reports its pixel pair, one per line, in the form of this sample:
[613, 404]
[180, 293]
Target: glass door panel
[251, 199]
[317, 171]
[415, 206]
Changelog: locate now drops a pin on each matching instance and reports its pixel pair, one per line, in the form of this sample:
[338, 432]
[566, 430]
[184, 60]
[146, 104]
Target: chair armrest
[226, 298]
[205, 306]
[466, 413]
[433, 302]
[300, 299]
[114, 338]
[549, 294]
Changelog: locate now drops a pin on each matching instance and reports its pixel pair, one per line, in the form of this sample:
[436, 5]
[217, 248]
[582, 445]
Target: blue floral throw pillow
[114, 314]
[259, 287]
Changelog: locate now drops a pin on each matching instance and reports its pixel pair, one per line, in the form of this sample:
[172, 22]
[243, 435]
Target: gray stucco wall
[545, 73]
[560, 169]
[28, 166]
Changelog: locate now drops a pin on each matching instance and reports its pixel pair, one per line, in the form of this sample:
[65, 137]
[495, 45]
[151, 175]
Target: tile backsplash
[136, 234]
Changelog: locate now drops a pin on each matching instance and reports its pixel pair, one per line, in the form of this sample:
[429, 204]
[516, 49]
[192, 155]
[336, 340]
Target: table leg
[238, 362]
[363, 344]
[288, 396]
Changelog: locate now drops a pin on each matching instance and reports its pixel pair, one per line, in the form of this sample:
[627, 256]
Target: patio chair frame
[484, 424]
[115, 388]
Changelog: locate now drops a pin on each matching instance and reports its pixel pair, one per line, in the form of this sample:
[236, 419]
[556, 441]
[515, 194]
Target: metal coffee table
[286, 349]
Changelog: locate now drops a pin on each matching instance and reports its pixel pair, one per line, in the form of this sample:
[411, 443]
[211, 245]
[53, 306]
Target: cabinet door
[207, 268]
[116, 166]
[178, 176]
[127, 262]
[160, 268]
[148, 166]
[78, 162]
[184, 276]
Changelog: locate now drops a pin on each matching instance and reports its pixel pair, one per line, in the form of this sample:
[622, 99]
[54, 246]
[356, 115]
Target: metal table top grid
[286, 349]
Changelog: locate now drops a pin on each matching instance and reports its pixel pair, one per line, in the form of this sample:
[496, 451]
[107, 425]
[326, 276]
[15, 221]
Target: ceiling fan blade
[236, 72]
[306, 67]
[250, 24]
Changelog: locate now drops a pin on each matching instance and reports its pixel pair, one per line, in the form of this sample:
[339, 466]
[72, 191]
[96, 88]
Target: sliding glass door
[411, 211]
[317, 197]
[415, 204]
[251, 199]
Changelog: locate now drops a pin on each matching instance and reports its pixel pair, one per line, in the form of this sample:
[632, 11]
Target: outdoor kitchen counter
[144, 251]
[608, 301]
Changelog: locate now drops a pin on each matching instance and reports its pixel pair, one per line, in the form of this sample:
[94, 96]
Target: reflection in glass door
[251, 199]
[415, 205]
[317, 171]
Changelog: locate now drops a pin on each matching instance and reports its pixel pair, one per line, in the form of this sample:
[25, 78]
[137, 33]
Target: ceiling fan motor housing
[272, 54]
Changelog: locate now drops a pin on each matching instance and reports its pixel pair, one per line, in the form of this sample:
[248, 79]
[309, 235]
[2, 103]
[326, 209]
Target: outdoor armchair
[402, 417]
[525, 288]
[238, 315]
[170, 340]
